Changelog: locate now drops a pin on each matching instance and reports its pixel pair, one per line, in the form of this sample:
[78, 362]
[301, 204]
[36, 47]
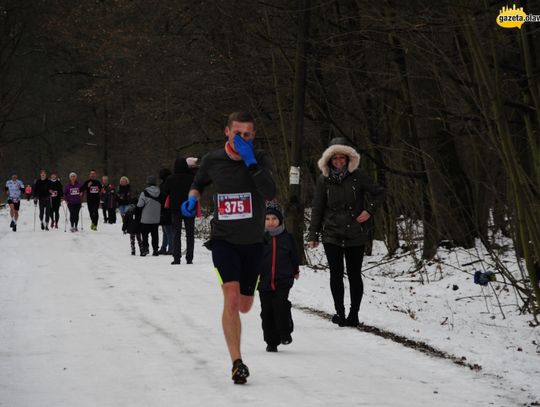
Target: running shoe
[240, 372]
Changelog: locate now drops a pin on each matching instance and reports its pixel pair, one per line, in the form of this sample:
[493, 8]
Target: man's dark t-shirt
[240, 194]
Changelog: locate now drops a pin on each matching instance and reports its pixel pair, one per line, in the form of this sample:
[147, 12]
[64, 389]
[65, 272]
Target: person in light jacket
[150, 201]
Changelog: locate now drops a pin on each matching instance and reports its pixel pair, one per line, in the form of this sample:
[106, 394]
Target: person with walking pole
[42, 195]
[73, 199]
[242, 178]
[56, 194]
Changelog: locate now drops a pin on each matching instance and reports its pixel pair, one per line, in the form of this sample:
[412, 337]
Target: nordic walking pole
[82, 216]
[35, 208]
[65, 216]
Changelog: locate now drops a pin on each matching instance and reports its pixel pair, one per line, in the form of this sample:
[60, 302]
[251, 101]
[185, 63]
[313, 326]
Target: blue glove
[188, 208]
[245, 149]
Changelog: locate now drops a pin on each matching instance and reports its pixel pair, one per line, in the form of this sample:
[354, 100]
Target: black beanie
[273, 208]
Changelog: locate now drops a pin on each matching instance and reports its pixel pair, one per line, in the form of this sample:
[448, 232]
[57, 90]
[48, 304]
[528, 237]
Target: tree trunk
[295, 209]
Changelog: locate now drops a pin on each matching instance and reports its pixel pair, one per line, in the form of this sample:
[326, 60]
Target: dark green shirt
[240, 195]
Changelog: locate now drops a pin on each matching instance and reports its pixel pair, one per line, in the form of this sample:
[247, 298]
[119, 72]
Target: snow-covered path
[83, 323]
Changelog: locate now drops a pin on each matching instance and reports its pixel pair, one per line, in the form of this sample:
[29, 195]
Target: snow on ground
[84, 323]
[450, 313]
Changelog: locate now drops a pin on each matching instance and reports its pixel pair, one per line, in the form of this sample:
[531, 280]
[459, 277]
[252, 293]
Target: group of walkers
[48, 193]
[141, 216]
[251, 248]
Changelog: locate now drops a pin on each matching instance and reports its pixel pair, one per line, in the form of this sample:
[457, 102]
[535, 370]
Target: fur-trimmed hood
[324, 161]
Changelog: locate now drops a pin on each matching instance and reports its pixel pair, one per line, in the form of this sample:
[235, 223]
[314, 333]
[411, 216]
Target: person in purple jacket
[73, 198]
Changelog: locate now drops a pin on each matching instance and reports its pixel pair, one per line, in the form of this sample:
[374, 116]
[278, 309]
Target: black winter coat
[280, 262]
[123, 192]
[336, 205]
[42, 189]
[178, 184]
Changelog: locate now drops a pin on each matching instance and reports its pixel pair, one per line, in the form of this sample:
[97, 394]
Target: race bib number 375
[234, 206]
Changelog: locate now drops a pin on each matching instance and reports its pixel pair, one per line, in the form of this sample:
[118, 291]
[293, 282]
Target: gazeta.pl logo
[515, 17]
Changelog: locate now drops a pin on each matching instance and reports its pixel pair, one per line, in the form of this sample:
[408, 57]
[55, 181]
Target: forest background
[441, 102]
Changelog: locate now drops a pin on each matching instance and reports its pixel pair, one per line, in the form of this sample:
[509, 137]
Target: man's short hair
[242, 117]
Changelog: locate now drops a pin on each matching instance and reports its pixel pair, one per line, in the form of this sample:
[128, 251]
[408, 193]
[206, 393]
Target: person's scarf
[276, 231]
[231, 152]
[338, 176]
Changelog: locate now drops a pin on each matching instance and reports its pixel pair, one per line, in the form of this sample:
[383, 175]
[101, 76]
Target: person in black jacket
[57, 192]
[278, 270]
[345, 201]
[165, 220]
[92, 187]
[42, 195]
[103, 198]
[177, 187]
[123, 194]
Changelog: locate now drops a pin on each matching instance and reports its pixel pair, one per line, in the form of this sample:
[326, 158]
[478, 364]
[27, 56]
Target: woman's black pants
[353, 260]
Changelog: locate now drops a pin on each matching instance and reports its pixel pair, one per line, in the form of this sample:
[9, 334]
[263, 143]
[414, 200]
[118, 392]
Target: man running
[92, 187]
[14, 189]
[243, 181]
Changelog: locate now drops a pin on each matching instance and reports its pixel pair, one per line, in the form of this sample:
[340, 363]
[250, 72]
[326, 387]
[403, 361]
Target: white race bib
[234, 206]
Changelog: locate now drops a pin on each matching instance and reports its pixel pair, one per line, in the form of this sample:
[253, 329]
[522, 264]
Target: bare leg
[233, 304]
[13, 213]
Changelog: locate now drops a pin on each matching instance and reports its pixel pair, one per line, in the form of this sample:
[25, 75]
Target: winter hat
[338, 145]
[71, 174]
[192, 161]
[151, 180]
[273, 208]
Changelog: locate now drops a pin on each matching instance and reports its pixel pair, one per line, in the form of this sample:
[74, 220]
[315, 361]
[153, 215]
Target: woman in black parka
[342, 215]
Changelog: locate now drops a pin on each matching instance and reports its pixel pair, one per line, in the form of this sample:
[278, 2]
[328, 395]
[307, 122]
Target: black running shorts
[16, 205]
[238, 262]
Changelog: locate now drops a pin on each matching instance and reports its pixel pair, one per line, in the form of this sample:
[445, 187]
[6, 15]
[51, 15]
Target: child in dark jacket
[279, 269]
[132, 225]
